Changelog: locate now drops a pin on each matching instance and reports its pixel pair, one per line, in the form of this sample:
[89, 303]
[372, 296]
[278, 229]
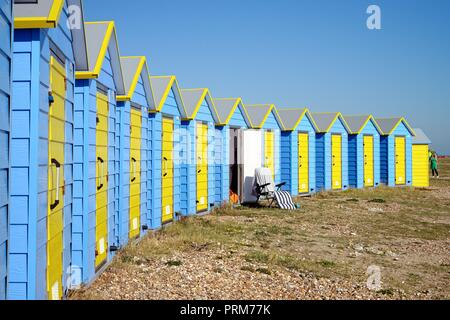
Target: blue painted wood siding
[188, 168]
[238, 120]
[387, 156]
[29, 158]
[5, 106]
[323, 157]
[123, 116]
[222, 160]
[384, 141]
[189, 161]
[320, 161]
[83, 231]
[204, 115]
[154, 172]
[356, 156]
[353, 160]
[123, 123]
[289, 157]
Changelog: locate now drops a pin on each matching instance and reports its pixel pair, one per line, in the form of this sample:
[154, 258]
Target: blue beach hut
[298, 151]
[132, 141]
[165, 148]
[331, 151]
[363, 151]
[228, 148]
[264, 117]
[6, 29]
[96, 175]
[47, 51]
[395, 151]
[197, 174]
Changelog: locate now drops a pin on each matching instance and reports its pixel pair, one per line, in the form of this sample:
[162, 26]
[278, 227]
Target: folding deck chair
[264, 188]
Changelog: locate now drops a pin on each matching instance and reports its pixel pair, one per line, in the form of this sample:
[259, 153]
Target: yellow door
[421, 166]
[368, 162]
[400, 160]
[269, 146]
[167, 170]
[303, 163]
[56, 140]
[101, 217]
[135, 173]
[202, 167]
[336, 162]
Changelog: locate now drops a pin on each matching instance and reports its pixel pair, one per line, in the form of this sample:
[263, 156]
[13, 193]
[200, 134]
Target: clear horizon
[292, 53]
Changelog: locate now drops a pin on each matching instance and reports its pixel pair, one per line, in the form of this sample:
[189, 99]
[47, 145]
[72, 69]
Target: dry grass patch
[321, 251]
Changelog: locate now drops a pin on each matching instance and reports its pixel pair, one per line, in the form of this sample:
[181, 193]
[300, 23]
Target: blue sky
[296, 53]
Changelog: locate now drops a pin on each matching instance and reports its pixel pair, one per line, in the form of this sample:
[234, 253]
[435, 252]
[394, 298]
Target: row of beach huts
[95, 152]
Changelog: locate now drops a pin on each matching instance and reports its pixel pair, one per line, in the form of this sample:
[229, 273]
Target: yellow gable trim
[135, 81]
[101, 56]
[41, 22]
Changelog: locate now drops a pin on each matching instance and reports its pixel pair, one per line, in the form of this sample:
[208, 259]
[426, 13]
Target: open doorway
[236, 168]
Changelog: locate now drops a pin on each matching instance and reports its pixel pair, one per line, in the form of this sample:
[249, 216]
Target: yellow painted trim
[376, 124]
[33, 23]
[102, 54]
[249, 119]
[402, 119]
[181, 96]
[246, 115]
[363, 126]
[135, 81]
[266, 116]
[151, 88]
[213, 104]
[370, 117]
[283, 127]
[233, 110]
[166, 92]
[199, 103]
[332, 122]
[49, 22]
[338, 115]
[299, 120]
[311, 118]
[305, 110]
[238, 101]
[172, 82]
[405, 123]
[55, 11]
[104, 48]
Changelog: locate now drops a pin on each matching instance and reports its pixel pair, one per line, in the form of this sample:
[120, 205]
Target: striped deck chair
[265, 189]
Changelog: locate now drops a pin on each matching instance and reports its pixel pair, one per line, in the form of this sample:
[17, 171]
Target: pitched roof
[291, 118]
[358, 123]
[133, 69]
[420, 137]
[100, 39]
[226, 108]
[388, 125]
[193, 99]
[258, 114]
[41, 14]
[326, 120]
[162, 85]
[46, 14]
